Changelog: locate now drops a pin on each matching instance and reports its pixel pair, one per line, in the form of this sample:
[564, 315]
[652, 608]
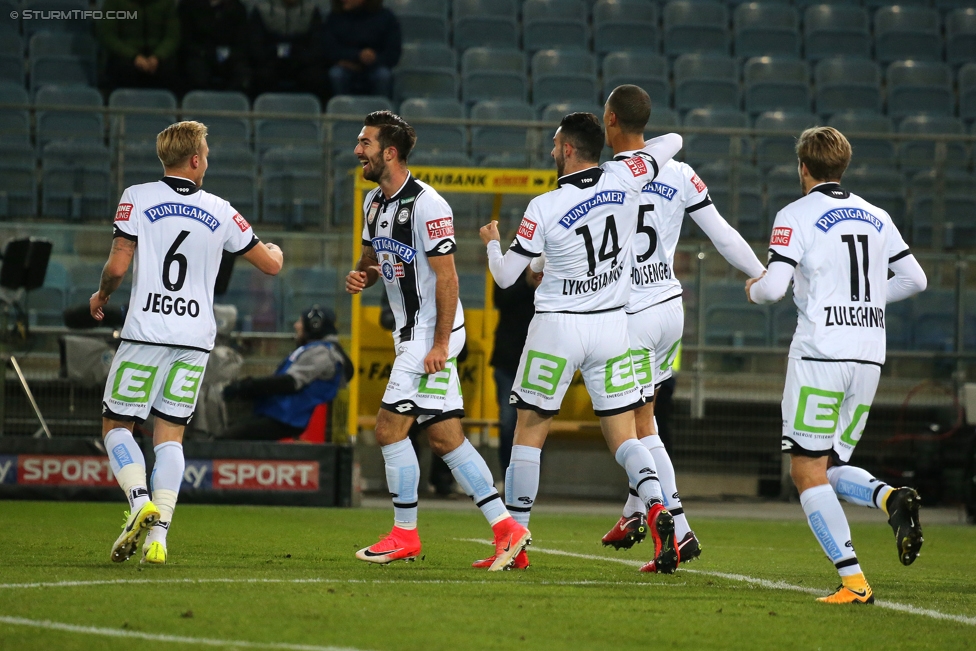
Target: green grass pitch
[307, 590]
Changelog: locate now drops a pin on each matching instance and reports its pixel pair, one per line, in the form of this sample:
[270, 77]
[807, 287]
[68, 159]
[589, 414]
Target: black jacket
[348, 33]
[516, 307]
[205, 27]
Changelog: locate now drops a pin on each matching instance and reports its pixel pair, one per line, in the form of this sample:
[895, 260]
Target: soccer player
[176, 233]
[838, 251]
[655, 315]
[408, 240]
[586, 229]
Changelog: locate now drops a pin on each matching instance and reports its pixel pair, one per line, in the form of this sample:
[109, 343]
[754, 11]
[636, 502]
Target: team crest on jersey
[391, 271]
[403, 215]
[698, 183]
[371, 215]
[170, 209]
[837, 215]
[527, 228]
[637, 166]
[123, 212]
[440, 228]
[781, 236]
[387, 245]
[660, 189]
[580, 210]
[241, 222]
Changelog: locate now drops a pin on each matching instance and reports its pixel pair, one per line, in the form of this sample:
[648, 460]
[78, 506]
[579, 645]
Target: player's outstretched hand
[95, 305]
[749, 284]
[436, 359]
[489, 232]
[355, 281]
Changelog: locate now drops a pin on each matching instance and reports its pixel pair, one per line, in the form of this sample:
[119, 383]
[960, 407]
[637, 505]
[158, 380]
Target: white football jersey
[663, 204]
[405, 230]
[586, 229]
[181, 233]
[840, 246]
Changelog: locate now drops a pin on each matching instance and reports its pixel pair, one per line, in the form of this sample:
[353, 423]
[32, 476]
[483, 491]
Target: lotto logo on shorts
[527, 228]
[440, 228]
[698, 183]
[637, 166]
[133, 382]
[781, 236]
[241, 222]
[123, 212]
[542, 372]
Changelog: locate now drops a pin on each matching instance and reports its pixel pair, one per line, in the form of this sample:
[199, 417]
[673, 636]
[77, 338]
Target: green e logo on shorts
[542, 372]
[859, 414]
[619, 374]
[670, 357]
[133, 382]
[818, 411]
[183, 382]
[641, 361]
[438, 383]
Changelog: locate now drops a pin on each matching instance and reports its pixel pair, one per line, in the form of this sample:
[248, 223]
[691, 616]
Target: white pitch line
[764, 583]
[156, 637]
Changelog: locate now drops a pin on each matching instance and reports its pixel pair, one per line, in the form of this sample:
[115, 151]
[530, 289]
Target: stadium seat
[421, 20]
[919, 87]
[486, 141]
[140, 164]
[220, 130]
[493, 74]
[442, 159]
[898, 325]
[18, 180]
[884, 187]
[920, 155]
[766, 29]
[81, 46]
[736, 191]
[845, 84]
[784, 316]
[304, 286]
[293, 186]
[12, 69]
[935, 319]
[702, 148]
[83, 280]
[735, 324]
[705, 81]
[696, 26]
[662, 118]
[233, 157]
[75, 181]
[141, 127]
[836, 30]
[344, 168]
[239, 188]
[488, 23]
[31, 27]
[776, 85]
[960, 30]
[782, 188]
[552, 114]
[426, 70]
[967, 91]
[14, 123]
[867, 151]
[59, 71]
[649, 71]
[780, 150]
[554, 24]
[563, 76]
[436, 136]
[256, 297]
[345, 133]
[625, 25]
[958, 200]
[907, 32]
[282, 133]
[73, 125]
[10, 41]
[45, 305]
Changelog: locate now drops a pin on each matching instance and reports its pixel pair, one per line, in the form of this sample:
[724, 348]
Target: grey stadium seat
[562, 76]
[235, 157]
[18, 180]
[780, 150]
[836, 30]
[141, 165]
[776, 85]
[959, 202]
[293, 186]
[287, 132]
[345, 133]
[426, 70]
[14, 123]
[220, 130]
[12, 68]
[548, 24]
[736, 191]
[75, 180]
[73, 125]
[919, 87]
[696, 26]
[491, 23]
[421, 20]
[662, 118]
[706, 81]
[960, 29]
[10, 41]
[920, 155]
[884, 187]
[879, 152]
[81, 46]
[782, 188]
[907, 32]
[46, 304]
[847, 84]
[141, 127]
[702, 148]
[486, 141]
[649, 71]
[625, 25]
[766, 29]
[436, 136]
[552, 114]
[239, 188]
[967, 91]
[489, 73]
[59, 71]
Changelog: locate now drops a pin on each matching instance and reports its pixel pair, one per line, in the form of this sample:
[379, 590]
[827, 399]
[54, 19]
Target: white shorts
[559, 344]
[655, 333]
[826, 405]
[430, 397]
[148, 379]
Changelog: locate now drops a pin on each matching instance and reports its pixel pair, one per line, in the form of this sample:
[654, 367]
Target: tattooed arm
[112, 274]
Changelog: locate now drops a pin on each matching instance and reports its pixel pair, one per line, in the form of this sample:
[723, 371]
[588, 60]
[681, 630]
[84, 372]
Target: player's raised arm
[505, 269]
[268, 258]
[663, 148]
[727, 240]
[114, 271]
[366, 272]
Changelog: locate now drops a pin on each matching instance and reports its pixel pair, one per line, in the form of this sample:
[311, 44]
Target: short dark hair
[393, 132]
[632, 106]
[583, 131]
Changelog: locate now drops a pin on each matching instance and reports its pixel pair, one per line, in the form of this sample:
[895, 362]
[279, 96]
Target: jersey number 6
[180, 260]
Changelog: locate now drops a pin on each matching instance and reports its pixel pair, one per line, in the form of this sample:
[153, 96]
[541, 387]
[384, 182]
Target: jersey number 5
[172, 257]
[855, 272]
[609, 249]
[648, 230]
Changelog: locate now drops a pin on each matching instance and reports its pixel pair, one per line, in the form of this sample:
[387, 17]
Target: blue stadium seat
[81, 46]
[345, 133]
[563, 76]
[436, 136]
[305, 286]
[967, 91]
[867, 151]
[776, 85]
[12, 68]
[920, 155]
[31, 27]
[874, 4]
[45, 305]
[696, 26]
[705, 81]
[553, 113]
[919, 87]
[18, 180]
[780, 150]
[960, 29]
[625, 25]
[421, 20]
[845, 84]
[662, 118]
[257, 298]
[287, 132]
[766, 29]
[701, 148]
[141, 165]
[293, 186]
[736, 191]
[782, 188]
[554, 24]
[803, 4]
[493, 74]
[59, 71]
[10, 41]
[935, 319]
[958, 199]
[649, 71]
[220, 130]
[141, 127]
[836, 30]
[485, 23]
[14, 123]
[486, 141]
[884, 187]
[75, 181]
[239, 188]
[426, 70]
[907, 32]
[73, 125]
[232, 157]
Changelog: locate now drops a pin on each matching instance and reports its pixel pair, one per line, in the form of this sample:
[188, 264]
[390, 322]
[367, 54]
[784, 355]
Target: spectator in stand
[141, 53]
[214, 49]
[362, 43]
[286, 47]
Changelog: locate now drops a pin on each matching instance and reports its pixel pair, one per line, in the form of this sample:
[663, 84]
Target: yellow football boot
[854, 590]
[154, 553]
[135, 525]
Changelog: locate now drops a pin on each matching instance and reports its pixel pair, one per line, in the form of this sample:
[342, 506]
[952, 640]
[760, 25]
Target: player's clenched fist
[436, 359]
[489, 232]
[356, 281]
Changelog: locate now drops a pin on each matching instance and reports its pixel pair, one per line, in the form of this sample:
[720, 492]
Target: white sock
[472, 474]
[857, 486]
[403, 480]
[634, 503]
[167, 476]
[829, 525]
[522, 482]
[128, 465]
[669, 488]
[641, 473]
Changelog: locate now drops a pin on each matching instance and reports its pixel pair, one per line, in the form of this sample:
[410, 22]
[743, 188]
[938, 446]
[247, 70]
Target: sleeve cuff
[707, 201]
[776, 257]
[522, 251]
[899, 256]
[118, 232]
[254, 242]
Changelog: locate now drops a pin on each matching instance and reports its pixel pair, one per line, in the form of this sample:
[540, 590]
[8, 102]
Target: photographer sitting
[311, 375]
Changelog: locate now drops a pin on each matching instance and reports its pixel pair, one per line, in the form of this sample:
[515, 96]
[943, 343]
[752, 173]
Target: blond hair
[825, 151]
[177, 142]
